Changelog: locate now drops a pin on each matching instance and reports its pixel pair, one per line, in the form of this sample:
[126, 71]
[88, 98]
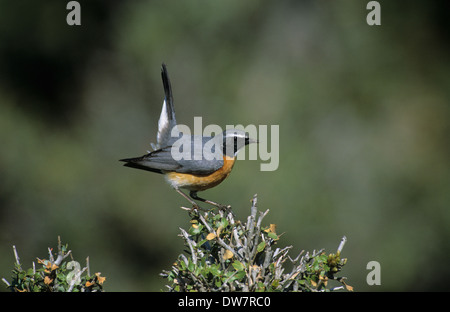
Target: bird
[189, 173]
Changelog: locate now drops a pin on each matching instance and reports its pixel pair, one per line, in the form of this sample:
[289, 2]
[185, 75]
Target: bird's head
[233, 140]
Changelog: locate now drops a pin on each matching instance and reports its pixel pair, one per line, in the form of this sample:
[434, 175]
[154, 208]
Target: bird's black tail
[136, 163]
[168, 93]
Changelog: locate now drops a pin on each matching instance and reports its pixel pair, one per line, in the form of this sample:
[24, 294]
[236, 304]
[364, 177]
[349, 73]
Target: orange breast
[199, 182]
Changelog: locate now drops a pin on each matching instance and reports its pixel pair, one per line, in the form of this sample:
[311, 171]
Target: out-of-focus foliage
[56, 274]
[363, 111]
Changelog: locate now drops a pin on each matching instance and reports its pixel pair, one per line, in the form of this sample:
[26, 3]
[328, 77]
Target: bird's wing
[163, 160]
[156, 161]
[199, 166]
[200, 158]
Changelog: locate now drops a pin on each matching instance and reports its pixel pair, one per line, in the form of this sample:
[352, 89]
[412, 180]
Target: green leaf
[261, 286]
[238, 266]
[224, 223]
[191, 266]
[171, 276]
[200, 243]
[261, 246]
[214, 269]
[316, 266]
[195, 229]
[239, 275]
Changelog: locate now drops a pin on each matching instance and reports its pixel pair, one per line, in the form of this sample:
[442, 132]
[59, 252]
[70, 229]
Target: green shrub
[54, 275]
[227, 255]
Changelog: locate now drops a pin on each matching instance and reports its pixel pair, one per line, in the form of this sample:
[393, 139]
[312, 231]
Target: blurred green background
[363, 112]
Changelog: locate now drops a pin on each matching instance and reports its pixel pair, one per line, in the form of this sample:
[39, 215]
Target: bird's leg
[194, 204]
[194, 195]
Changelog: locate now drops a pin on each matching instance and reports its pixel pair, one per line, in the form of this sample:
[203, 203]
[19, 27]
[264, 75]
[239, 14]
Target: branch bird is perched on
[194, 174]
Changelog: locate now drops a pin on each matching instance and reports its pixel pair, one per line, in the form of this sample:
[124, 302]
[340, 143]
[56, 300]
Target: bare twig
[88, 267]
[6, 282]
[191, 245]
[76, 279]
[16, 256]
[341, 245]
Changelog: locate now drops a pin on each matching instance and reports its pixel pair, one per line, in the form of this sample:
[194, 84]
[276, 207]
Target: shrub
[54, 275]
[227, 255]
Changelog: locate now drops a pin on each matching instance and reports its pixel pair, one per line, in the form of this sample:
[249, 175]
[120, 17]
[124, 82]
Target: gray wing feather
[163, 160]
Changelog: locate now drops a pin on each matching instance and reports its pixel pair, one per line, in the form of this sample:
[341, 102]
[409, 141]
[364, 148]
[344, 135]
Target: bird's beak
[250, 140]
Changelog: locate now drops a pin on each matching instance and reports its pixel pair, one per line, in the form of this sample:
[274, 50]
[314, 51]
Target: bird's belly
[200, 182]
